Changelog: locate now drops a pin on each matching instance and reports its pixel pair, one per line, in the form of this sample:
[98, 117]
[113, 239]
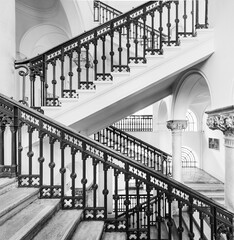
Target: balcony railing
[136, 149]
[135, 123]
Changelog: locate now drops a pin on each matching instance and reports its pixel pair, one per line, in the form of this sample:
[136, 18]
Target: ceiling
[40, 5]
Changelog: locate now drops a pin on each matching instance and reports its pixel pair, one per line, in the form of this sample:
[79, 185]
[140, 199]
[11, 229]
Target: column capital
[174, 125]
[222, 119]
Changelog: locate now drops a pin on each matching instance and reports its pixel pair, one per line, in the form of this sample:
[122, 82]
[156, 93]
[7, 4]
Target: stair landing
[204, 183]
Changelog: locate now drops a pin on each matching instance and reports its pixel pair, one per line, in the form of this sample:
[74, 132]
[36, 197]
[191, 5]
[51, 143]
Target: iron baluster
[78, 68]
[105, 190]
[32, 89]
[120, 46]
[193, 25]
[197, 15]
[30, 152]
[213, 224]
[136, 41]
[73, 176]
[95, 186]
[201, 217]
[52, 163]
[41, 158]
[127, 201]
[70, 74]
[84, 179]
[168, 23]
[111, 47]
[180, 228]
[177, 22]
[103, 57]
[62, 170]
[87, 65]
[62, 77]
[116, 196]
[54, 82]
[128, 45]
[95, 61]
[206, 14]
[20, 147]
[190, 211]
[160, 28]
[2, 142]
[14, 129]
[185, 18]
[46, 81]
[169, 223]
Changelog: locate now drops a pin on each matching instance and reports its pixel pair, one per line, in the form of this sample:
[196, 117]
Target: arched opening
[189, 158]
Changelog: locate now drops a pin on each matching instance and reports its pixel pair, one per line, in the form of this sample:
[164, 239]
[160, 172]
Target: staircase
[122, 67]
[114, 69]
[24, 216]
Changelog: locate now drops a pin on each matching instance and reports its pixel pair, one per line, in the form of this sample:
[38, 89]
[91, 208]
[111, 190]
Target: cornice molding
[177, 125]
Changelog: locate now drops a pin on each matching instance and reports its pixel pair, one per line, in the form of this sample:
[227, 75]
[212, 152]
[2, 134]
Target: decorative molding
[177, 124]
[223, 122]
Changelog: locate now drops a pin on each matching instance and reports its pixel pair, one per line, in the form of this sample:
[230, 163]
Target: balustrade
[135, 123]
[58, 160]
[136, 149]
[75, 65]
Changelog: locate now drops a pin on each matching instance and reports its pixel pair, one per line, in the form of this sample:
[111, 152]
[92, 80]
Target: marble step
[6, 184]
[114, 236]
[61, 226]
[89, 230]
[14, 201]
[29, 221]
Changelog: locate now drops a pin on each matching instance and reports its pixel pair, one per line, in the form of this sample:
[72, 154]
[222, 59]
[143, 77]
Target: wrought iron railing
[48, 155]
[135, 123]
[136, 149]
[75, 65]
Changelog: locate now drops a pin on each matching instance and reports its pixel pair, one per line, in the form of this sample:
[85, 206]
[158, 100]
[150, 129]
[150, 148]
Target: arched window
[192, 121]
[189, 159]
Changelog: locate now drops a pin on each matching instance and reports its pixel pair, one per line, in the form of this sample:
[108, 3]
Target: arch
[192, 89]
[188, 158]
[40, 38]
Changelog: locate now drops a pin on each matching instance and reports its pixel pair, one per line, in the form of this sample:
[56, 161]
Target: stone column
[7, 48]
[176, 127]
[223, 120]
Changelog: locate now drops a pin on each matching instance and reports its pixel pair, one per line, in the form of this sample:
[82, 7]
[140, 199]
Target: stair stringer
[136, 90]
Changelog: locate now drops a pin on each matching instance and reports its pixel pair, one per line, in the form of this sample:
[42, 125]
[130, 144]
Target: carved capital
[177, 125]
[223, 120]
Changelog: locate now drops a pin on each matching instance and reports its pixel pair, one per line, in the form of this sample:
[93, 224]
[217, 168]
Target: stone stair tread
[13, 198]
[28, 219]
[6, 184]
[61, 226]
[114, 236]
[6, 181]
[89, 230]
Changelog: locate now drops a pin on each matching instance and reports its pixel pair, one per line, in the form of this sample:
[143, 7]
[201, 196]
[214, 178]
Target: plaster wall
[219, 68]
[7, 48]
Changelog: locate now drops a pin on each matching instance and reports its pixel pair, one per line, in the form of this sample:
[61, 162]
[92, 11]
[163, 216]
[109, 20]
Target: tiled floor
[197, 175]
